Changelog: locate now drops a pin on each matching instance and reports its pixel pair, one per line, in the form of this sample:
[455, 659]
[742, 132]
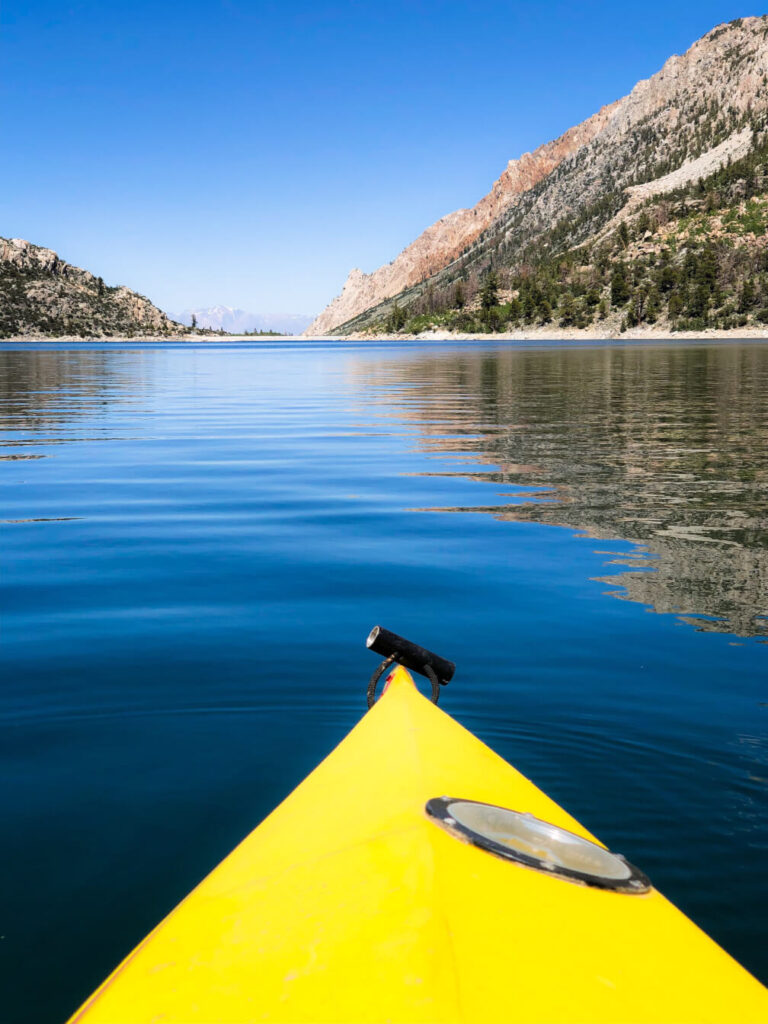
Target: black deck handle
[408, 654]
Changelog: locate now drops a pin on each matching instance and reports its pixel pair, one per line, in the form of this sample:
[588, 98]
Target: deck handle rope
[375, 679]
[438, 670]
[428, 672]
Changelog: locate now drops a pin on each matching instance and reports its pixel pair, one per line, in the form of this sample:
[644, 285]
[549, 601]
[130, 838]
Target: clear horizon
[245, 155]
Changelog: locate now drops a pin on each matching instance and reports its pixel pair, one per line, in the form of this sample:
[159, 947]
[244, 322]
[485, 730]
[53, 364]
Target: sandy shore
[565, 334]
[535, 334]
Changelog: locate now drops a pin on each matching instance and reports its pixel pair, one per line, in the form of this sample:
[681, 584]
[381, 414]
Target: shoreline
[570, 334]
[537, 334]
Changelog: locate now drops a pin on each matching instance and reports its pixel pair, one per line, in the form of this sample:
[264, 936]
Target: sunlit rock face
[441, 243]
[683, 113]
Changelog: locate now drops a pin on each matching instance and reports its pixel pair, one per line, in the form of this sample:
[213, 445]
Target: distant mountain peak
[239, 321]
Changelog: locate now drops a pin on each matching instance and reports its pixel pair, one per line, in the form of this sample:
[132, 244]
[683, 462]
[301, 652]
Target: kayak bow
[353, 901]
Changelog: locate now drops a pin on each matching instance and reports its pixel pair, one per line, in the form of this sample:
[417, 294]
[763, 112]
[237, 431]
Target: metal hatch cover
[536, 844]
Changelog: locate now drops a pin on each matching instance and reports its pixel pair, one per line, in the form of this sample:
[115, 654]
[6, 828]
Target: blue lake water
[197, 539]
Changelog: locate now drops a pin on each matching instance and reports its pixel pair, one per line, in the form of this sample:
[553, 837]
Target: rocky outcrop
[441, 243]
[691, 107]
[43, 296]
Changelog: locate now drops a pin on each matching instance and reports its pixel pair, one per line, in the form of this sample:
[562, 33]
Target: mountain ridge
[458, 229]
[692, 105]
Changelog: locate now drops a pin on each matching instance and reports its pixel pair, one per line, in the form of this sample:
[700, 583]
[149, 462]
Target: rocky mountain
[449, 237]
[238, 321]
[43, 296]
[621, 188]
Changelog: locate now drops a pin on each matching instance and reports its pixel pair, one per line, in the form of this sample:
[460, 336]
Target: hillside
[42, 296]
[653, 211]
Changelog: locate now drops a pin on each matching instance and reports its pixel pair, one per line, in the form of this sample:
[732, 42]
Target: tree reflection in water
[662, 446]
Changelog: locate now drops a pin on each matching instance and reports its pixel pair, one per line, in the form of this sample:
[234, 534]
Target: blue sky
[252, 153]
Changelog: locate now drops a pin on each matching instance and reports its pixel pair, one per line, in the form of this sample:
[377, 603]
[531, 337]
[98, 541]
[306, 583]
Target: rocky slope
[450, 236]
[42, 296]
[700, 111]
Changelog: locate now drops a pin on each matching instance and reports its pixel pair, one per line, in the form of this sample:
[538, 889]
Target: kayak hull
[349, 904]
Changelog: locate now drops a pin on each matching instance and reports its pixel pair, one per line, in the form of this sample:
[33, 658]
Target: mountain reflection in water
[664, 447]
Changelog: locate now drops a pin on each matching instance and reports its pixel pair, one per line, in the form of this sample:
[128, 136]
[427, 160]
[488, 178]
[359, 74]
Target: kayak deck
[349, 904]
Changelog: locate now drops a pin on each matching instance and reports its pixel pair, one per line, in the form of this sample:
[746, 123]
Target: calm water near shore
[197, 539]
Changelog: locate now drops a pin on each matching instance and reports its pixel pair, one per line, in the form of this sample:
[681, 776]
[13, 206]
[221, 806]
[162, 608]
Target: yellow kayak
[416, 876]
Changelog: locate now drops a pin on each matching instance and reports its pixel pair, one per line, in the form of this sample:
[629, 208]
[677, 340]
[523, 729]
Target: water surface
[196, 540]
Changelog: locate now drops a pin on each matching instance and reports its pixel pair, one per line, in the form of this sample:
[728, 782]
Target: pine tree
[747, 296]
[706, 269]
[567, 311]
[619, 286]
[638, 304]
[667, 278]
[490, 291]
[396, 319]
[653, 306]
[698, 302]
[493, 318]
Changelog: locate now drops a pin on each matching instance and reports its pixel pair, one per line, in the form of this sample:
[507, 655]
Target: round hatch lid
[536, 844]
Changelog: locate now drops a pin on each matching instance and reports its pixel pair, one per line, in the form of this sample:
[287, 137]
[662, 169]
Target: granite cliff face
[695, 113]
[449, 237]
[43, 296]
